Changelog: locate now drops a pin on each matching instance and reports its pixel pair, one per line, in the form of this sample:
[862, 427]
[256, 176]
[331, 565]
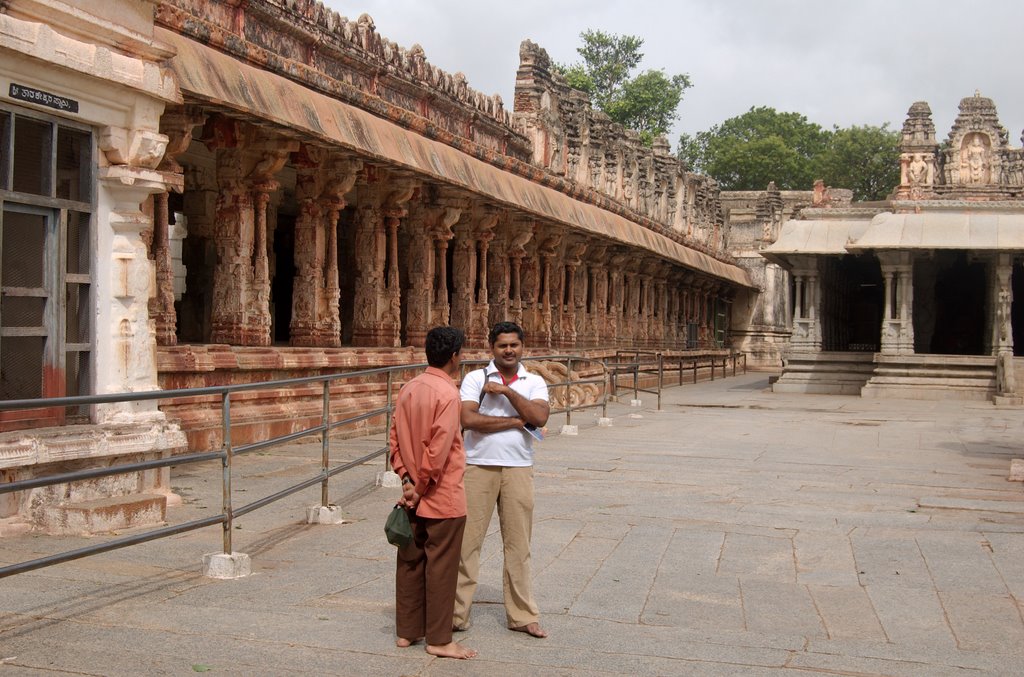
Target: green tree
[865, 159]
[762, 145]
[646, 102]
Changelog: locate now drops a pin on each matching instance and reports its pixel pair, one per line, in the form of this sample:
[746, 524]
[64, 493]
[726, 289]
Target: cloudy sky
[836, 62]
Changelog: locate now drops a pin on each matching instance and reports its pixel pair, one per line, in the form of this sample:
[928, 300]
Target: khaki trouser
[511, 489]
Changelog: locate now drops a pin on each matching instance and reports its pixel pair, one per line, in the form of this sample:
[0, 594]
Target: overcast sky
[838, 63]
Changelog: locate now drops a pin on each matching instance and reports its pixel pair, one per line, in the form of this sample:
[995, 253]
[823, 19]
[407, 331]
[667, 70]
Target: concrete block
[390, 479]
[635, 403]
[324, 514]
[604, 422]
[636, 415]
[570, 430]
[1016, 470]
[219, 565]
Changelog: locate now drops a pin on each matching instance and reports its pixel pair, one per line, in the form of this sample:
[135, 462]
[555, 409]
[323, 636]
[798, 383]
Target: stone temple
[207, 192]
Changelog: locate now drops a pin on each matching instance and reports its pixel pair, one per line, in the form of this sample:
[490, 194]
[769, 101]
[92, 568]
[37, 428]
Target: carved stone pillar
[245, 173]
[897, 330]
[450, 211]
[370, 254]
[420, 281]
[1002, 292]
[547, 251]
[483, 231]
[464, 270]
[521, 233]
[573, 260]
[806, 330]
[660, 328]
[342, 174]
[498, 281]
[617, 298]
[162, 303]
[377, 290]
[233, 230]
[307, 285]
[177, 125]
[126, 353]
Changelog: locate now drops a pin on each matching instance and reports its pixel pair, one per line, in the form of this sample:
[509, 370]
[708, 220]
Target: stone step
[104, 514]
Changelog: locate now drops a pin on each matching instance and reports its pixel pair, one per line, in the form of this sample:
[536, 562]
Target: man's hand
[410, 499]
[496, 388]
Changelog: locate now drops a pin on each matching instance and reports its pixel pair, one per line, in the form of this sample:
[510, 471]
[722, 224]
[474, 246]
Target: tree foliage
[866, 159]
[762, 145]
[646, 102]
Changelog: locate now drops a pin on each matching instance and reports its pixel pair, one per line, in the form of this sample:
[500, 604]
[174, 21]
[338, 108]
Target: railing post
[661, 377]
[387, 424]
[636, 378]
[607, 383]
[712, 367]
[325, 445]
[568, 392]
[744, 364]
[228, 525]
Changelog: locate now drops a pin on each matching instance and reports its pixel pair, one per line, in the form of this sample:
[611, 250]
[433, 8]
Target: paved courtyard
[734, 532]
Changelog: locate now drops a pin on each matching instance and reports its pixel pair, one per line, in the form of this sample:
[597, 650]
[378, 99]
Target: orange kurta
[426, 443]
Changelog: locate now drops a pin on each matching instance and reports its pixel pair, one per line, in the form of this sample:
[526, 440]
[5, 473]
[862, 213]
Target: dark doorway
[283, 280]
[950, 303]
[1017, 312]
[852, 304]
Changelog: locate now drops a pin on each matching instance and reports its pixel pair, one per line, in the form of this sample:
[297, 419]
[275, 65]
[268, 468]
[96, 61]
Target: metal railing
[228, 451]
[637, 362]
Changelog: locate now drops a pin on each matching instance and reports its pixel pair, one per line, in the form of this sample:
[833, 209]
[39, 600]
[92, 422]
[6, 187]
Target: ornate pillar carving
[897, 330]
[806, 330]
[594, 325]
[573, 311]
[617, 298]
[307, 285]
[342, 173]
[177, 125]
[1002, 291]
[521, 233]
[377, 290]
[450, 212]
[498, 279]
[483, 231]
[547, 251]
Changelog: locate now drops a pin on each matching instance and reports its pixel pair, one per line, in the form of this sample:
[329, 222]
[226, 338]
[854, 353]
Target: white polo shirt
[514, 447]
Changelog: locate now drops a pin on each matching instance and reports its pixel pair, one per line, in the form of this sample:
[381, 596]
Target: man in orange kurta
[427, 453]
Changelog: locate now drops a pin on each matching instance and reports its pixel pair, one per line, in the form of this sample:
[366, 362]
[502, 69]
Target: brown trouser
[425, 578]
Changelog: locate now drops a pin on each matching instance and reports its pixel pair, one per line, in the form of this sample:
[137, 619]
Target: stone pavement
[735, 532]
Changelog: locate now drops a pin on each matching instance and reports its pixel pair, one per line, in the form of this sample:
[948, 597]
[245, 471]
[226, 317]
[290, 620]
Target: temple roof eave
[223, 81]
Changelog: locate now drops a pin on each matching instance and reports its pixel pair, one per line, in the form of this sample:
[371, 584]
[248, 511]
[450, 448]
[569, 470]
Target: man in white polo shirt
[503, 407]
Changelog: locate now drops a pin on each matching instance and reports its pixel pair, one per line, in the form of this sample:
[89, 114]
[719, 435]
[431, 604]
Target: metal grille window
[46, 240]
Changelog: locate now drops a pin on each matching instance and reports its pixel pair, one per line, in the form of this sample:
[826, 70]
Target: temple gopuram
[209, 192]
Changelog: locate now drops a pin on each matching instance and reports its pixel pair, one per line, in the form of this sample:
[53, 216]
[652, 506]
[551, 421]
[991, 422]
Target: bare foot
[450, 650]
[402, 642]
[532, 629]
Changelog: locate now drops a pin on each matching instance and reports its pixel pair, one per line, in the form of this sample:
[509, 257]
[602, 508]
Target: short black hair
[442, 343]
[504, 328]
